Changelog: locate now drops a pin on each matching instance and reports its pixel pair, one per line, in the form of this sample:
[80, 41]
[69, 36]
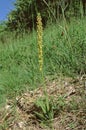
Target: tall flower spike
[40, 40]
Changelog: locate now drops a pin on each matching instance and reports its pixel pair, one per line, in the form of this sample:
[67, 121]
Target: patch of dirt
[71, 117]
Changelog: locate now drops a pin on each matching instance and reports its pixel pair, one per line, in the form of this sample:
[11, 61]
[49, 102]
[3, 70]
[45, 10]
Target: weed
[46, 109]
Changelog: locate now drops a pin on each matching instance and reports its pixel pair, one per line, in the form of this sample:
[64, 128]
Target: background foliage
[23, 17]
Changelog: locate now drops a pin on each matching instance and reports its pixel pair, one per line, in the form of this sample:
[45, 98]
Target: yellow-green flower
[39, 40]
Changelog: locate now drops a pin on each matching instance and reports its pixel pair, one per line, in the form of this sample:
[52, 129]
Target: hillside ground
[64, 72]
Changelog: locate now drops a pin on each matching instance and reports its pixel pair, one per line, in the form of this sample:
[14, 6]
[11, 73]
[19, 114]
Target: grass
[63, 54]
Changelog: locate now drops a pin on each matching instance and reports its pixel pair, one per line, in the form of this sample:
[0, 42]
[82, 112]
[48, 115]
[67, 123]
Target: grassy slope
[62, 55]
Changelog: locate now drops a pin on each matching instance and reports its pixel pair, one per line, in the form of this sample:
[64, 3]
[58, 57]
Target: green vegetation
[63, 54]
[23, 17]
[61, 51]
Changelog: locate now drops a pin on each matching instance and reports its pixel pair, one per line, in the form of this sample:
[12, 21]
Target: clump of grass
[45, 113]
[48, 108]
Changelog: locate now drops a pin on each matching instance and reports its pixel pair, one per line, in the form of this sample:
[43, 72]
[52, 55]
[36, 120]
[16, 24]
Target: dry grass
[70, 117]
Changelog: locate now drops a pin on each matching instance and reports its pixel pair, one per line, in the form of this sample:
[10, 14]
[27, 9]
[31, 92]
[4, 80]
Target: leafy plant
[45, 106]
[48, 108]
